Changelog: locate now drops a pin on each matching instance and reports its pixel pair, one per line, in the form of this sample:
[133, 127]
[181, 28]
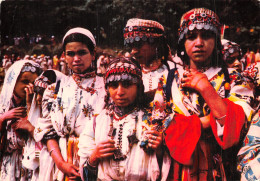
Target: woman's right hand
[104, 149]
[16, 113]
[69, 170]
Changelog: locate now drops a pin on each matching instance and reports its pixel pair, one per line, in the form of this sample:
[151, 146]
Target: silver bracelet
[221, 117]
[52, 150]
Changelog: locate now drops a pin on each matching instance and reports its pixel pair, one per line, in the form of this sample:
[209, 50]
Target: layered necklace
[132, 139]
[78, 78]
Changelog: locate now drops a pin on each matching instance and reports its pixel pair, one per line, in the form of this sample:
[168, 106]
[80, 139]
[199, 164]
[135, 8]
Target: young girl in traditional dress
[110, 144]
[32, 150]
[15, 102]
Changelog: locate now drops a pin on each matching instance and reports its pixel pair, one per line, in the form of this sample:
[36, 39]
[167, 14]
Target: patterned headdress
[46, 78]
[141, 29]
[199, 18]
[230, 48]
[121, 69]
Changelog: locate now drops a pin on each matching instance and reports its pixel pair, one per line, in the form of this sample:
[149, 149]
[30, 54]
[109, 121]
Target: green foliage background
[55, 17]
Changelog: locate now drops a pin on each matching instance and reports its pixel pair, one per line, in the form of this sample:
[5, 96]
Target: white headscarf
[9, 83]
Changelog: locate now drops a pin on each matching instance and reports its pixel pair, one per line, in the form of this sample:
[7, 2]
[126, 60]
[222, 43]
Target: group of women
[147, 118]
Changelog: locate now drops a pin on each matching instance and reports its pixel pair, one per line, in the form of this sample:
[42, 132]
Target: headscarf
[11, 78]
[82, 31]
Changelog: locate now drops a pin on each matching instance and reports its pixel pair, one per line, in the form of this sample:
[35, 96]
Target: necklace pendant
[132, 139]
[118, 155]
[112, 132]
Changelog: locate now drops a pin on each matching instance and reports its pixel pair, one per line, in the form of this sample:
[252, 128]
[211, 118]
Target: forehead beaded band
[121, 70]
[31, 68]
[199, 18]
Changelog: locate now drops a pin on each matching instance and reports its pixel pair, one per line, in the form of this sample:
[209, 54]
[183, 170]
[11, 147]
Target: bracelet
[92, 166]
[221, 117]
[52, 150]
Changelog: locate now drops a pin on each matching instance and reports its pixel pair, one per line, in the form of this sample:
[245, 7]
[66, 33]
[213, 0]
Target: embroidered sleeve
[241, 93]
[44, 124]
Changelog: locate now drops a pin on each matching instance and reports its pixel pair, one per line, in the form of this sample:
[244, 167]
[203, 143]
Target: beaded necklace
[132, 139]
[78, 80]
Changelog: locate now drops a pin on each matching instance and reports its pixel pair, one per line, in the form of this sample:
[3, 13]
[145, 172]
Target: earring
[156, 53]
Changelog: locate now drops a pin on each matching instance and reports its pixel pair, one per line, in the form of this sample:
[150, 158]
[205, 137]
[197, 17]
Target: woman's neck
[200, 65]
[121, 111]
[154, 65]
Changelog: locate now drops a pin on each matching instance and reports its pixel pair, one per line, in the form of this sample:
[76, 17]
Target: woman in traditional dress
[15, 102]
[67, 105]
[110, 144]
[207, 103]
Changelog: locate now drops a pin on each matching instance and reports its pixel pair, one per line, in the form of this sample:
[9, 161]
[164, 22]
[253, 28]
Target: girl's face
[22, 82]
[144, 52]
[78, 57]
[123, 93]
[199, 46]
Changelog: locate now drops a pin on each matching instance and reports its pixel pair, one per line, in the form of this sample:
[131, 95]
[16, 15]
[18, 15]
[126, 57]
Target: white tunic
[70, 109]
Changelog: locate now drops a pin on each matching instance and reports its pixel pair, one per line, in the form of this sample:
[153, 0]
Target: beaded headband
[141, 29]
[82, 31]
[230, 48]
[122, 71]
[199, 18]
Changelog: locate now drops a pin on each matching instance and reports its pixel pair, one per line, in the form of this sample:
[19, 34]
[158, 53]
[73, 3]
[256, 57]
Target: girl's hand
[104, 149]
[23, 124]
[195, 80]
[16, 113]
[155, 139]
[70, 170]
[29, 95]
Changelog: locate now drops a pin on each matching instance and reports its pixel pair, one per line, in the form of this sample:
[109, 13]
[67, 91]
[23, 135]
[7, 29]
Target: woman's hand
[154, 139]
[70, 170]
[195, 80]
[23, 124]
[29, 95]
[16, 113]
[104, 149]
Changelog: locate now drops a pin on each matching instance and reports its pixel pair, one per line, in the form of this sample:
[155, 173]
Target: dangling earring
[156, 53]
[92, 66]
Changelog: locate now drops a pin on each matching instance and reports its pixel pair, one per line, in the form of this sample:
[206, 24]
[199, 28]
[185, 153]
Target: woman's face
[123, 93]
[22, 82]
[233, 62]
[144, 52]
[199, 46]
[78, 57]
